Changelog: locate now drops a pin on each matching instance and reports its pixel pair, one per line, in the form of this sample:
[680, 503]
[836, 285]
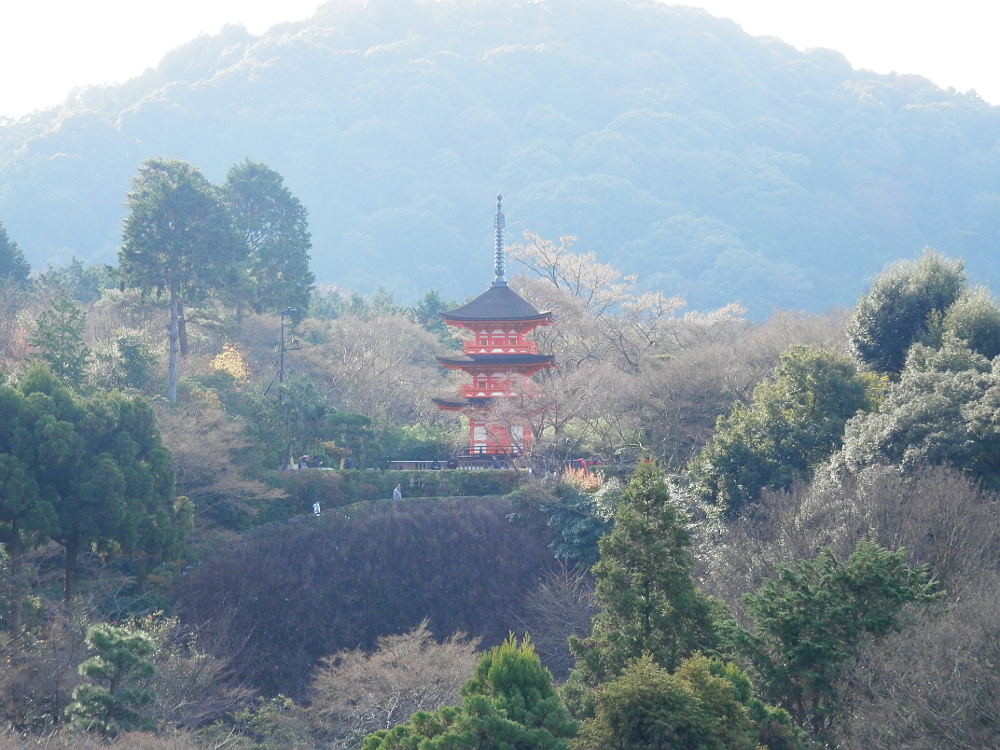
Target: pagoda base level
[494, 439]
[461, 462]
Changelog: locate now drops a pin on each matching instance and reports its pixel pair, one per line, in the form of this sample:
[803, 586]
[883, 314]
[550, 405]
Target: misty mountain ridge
[713, 164]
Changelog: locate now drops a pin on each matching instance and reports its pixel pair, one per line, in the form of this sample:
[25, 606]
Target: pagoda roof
[499, 302]
[454, 404]
[498, 359]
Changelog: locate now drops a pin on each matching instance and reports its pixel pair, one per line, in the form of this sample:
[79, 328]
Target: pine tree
[811, 621]
[509, 702]
[120, 666]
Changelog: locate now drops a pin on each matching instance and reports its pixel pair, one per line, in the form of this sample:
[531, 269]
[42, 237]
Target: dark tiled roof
[496, 303]
[452, 403]
[499, 359]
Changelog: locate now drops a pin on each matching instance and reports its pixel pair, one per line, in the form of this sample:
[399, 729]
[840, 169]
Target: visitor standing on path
[397, 494]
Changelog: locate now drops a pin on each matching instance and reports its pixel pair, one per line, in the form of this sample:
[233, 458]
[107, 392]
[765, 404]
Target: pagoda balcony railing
[472, 391]
[528, 347]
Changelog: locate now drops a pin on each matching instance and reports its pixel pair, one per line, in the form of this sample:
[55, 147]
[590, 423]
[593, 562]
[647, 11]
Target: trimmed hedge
[333, 489]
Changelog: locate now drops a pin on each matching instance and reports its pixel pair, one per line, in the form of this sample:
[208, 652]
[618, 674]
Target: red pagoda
[499, 359]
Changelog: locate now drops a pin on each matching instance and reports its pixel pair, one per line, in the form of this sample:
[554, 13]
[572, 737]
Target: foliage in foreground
[703, 704]
[509, 702]
[649, 604]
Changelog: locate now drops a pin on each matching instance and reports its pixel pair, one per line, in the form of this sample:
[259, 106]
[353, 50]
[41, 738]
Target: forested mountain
[714, 164]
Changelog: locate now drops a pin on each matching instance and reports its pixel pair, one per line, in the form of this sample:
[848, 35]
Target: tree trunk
[174, 338]
[72, 550]
[16, 571]
[182, 330]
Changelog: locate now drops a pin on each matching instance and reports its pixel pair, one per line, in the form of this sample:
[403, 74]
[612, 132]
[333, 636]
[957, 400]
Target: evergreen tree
[26, 509]
[648, 708]
[974, 318]
[120, 667]
[649, 604]
[794, 421]
[102, 465]
[13, 266]
[509, 702]
[273, 225]
[428, 314]
[58, 339]
[811, 620]
[178, 240]
[905, 304]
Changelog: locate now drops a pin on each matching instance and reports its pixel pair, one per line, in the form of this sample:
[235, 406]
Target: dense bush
[293, 593]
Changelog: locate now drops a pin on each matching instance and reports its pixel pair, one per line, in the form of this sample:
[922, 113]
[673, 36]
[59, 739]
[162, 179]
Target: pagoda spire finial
[498, 258]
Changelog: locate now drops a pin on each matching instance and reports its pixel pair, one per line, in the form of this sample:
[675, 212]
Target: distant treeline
[720, 166]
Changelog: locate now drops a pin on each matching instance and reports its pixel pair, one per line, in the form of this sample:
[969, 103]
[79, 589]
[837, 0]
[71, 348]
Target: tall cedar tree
[179, 239]
[648, 601]
[13, 266]
[101, 464]
[273, 225]
[25, 510]
[58, 340]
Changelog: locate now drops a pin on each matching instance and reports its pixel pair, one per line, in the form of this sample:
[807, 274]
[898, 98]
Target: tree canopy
[273, 224]
[649, 708]
[943, 410]
[13, 266]
[903, 306]
[811, 620]
[508, 702]
[793, 422]
[100, 466]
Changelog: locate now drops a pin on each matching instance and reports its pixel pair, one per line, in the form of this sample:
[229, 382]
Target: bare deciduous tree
[203, 441]
[560, 606]
[934, 686]
[936, 514]
[355, 693]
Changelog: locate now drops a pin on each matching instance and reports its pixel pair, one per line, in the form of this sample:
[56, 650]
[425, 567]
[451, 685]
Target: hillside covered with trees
[746, 526]
[723, 167]
[788, 538]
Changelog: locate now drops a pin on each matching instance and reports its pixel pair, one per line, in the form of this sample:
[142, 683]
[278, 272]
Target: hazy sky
[48, 47]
